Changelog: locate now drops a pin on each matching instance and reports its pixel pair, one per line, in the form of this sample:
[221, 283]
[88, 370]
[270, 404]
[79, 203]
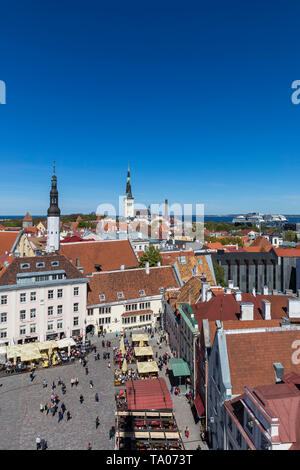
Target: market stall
[140, 340]
[144, 353]
[147, 369]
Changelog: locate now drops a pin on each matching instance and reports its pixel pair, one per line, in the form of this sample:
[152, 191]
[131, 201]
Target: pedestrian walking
[95, 357]
[53, 385]
[98, 356]
[86, 371]
[108, 365]
[41, 407]
[96, 397]
[89, 446]
[187, 432]
[171, 390]
[97, 422]
[63, 407]
[44, 383]
[111, 432]
[44, 444]
[38, 443]
[81, 399]
[91, 384]
[60, 416]
[68, 416]
[72, 382]
[59, 381]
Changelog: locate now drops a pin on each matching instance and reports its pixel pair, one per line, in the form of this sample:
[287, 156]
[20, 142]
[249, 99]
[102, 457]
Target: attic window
[120, 295]
[142, 293]
[54, 263]
[102, 297]
[161, 290]
[25, 265]
[182, 259]
[40, 265]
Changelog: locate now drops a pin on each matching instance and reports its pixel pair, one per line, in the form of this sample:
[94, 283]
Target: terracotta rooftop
[251, 356]
[110, 255]
[130, 282]
[259, 244]
[7, 240]
[9, 277]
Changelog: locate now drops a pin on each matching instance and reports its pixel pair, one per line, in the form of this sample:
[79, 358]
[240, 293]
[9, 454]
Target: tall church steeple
[53, 219]
[128, 199]
[128, 184]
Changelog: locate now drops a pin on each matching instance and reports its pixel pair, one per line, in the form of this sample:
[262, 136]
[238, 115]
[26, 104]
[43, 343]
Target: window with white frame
[50, 294]
[131, 307]
[50, 311]
[3, 299]
[142, 293]
[33, 328]
[59, 310]
[104, 310]
[3, 317]
[120, 295]
[145, 305]
[75, 307]
[22, 330]
[32, 296]
[76, 291]
[32, 313]
[90, 312]
[50, 326]
[22, 315]
[102, 297]
[59, 325]
[59, 293]
[3, 333]
[75, 321]
[23, 297]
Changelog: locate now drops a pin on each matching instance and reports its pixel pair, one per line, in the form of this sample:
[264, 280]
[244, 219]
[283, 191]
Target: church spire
[128, 184]
[54, 210]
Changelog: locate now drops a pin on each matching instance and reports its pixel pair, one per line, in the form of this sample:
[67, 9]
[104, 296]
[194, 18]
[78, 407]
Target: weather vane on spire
[54, 167]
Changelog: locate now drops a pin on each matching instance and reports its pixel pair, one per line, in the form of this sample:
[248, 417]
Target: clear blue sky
[196, 95]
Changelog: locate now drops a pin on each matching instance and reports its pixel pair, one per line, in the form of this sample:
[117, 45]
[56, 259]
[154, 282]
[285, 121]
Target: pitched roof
[27, 217]
[130, 282]
[225, 307]
[149, 394]
[287, 252]
[110, 255]
[9, 277]
[259, 244]
[7, 240]
[251, 356]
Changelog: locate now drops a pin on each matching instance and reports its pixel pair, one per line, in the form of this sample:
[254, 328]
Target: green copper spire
[128, 184]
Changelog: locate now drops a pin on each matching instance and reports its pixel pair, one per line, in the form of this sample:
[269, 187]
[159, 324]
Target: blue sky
[196, 95]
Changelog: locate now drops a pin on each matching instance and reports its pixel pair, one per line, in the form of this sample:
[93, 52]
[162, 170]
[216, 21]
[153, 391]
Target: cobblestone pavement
[22, 421]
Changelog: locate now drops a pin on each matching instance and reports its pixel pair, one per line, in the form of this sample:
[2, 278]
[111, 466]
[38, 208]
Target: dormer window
[54, 263]
[142, 293]
[161, 290]
[120, 295]
[102, 297]
[25, 266]
[40, 265]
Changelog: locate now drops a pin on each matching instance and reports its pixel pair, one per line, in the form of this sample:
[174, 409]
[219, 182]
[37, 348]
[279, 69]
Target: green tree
[220, 275]
[290, 236]
[152, 255]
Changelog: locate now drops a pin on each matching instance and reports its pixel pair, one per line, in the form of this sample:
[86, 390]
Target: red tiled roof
[287, 252]
[110, 255]
[150, 394]
[260, 244]
[130, 282]
[252, 355]
[7, 240]
[27, 217]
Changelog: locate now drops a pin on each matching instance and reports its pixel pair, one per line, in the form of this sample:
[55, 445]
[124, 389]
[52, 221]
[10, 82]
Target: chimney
[247, 311]
[238, 295]
[227, 290]
[208, 295]
[274, 292]
[230, 284]
[205, 287]
[266, 309]
[279, 371]
[254, 292]
[158, 263]
[122, 267]
[265, 290]
[293, 308]
[147, 267]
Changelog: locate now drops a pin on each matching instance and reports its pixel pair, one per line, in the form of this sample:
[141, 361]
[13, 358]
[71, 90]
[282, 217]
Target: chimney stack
[147, 267]
[205, 287]
[230, 284]
[266, 309]
[122, 267]
[238, 296]
[247, 311]
[254, 292]
[293, 308]
[265, 290]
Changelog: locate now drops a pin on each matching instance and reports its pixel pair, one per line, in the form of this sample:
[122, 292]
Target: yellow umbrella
[122, 346]
[141, 344]
[124, 366]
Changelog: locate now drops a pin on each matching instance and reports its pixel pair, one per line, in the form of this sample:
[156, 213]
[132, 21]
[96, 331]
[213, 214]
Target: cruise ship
[256, 218]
